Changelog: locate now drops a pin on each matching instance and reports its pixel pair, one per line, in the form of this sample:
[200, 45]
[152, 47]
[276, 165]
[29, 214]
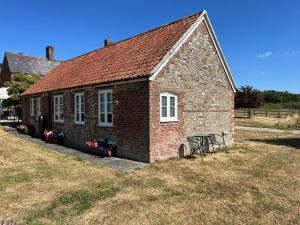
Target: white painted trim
[32, 106]
[105, 124]
[80, 122]
[38, 105]
[203, 17]
[57, 120]
[220, 52]
[176, 47]
[168, 118]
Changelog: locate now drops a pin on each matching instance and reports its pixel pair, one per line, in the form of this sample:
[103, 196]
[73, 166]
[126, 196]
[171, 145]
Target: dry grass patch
[32, 176]
[256, 183]
[264, 122]
[290, 121]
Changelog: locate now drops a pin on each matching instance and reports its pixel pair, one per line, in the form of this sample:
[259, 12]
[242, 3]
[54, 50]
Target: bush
[290, 121]
[278, 106]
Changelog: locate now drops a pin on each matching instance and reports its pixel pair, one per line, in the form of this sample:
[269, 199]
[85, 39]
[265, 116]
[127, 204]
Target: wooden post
[266, 113]
[278, 114]
[249, 113]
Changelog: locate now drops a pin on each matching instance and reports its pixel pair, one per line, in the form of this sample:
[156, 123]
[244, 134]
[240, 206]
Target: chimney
[50, 53]
[108, 42]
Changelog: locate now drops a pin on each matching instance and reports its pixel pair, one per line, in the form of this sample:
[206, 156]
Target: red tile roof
[132, 58]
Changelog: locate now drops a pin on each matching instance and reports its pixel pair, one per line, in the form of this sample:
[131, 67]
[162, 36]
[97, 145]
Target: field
[264, 122]
[256, 183]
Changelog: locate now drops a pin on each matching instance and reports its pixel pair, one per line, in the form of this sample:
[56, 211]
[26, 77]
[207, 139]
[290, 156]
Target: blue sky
[260, 38]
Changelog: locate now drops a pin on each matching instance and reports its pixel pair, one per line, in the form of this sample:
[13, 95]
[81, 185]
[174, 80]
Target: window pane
[109, 118]
[172, 101]
[102, 107]
[172, 112]
[109, 97]
[77, 99]
[164, 101]
[109, 107]
[82, 108]
[82, 117]
[102, 118]
[77, 108]
[82, 99]
[164, 111]
[102, 97]
[77, 116]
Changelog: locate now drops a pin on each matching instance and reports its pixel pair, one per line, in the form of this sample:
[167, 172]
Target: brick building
[14, 63]
[148, 92]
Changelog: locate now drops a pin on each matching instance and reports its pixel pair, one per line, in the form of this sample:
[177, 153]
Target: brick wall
[205, 97]
[130, 119]
[33, 120]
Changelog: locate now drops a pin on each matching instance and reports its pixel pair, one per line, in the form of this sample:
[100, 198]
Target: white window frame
[168, 118]
[81, 111]
[32, 107]
[38, 106]
[59, 97]
[105, 124]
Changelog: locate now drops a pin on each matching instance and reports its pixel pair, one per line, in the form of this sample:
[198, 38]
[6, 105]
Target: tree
[272, 96]
[18, 84]
[248, 97]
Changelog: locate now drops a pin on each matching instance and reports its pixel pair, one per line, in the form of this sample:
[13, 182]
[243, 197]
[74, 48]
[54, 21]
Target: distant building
[14, 63]
[3, 96]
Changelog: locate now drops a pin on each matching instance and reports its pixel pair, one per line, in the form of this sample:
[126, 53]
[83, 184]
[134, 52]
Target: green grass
[72, 204]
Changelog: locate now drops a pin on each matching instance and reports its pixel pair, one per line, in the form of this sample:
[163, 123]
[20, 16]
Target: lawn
[256, 183]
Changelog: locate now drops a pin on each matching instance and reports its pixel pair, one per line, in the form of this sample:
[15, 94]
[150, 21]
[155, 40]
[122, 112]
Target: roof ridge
[145, 32]
[37, 57]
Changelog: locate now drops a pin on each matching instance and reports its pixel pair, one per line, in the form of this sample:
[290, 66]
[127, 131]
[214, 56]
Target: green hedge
[278, 106]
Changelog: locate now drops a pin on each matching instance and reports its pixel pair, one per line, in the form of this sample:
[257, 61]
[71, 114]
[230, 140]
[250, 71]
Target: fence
[248, 113]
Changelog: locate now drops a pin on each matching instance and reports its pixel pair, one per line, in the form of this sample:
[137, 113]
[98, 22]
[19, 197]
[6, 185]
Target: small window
[105, 104]
[32, 106]
[168, 107]
[79, 108]
[58, 108]
[38, 106]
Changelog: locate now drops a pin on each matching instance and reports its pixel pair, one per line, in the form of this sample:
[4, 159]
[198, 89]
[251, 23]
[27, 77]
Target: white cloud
[265, 55]
[290, 52]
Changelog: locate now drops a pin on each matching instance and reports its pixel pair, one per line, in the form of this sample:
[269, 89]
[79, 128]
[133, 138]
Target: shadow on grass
[287, 142]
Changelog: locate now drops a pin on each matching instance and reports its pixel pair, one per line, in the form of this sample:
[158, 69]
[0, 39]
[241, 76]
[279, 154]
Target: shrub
[290, 121]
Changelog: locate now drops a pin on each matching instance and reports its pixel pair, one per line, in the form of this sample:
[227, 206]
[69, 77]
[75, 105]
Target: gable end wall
[205, 96]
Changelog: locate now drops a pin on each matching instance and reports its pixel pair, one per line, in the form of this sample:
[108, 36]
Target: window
[105, 104]
[58, 108]
[32, 106]
[168, 107]
[79, 108]
[38, 106]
